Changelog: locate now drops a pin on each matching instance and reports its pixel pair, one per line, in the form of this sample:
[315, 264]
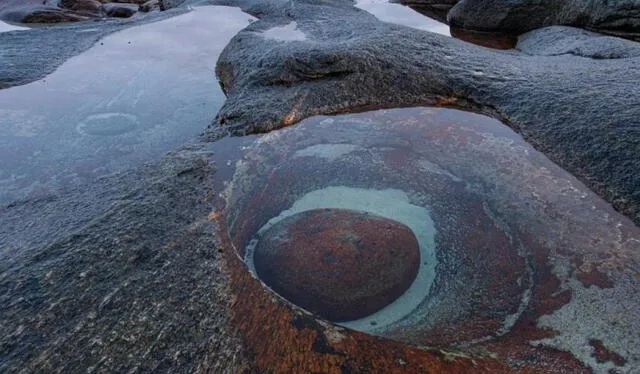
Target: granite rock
[45, 15]
[150, 5]
[51, 11]
[340, 264]
[169, 4]
[581, 112]
[95, 278]
[518, 16]
[563, 40]
[119, 10]
[92, 6]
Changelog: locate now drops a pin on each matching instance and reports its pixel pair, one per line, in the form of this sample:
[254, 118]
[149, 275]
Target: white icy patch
[287, 33]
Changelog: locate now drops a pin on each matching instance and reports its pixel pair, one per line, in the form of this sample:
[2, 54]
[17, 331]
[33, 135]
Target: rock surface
[582, 112]
[170, 4]
[437, 9]
[119, 10]
[563, 40]
[48, 11]
[150, 5]
[82, 5]
[519, 16]
[529, 264]
[128, 273]
[51, 11]
[91, 278]
[340, 264]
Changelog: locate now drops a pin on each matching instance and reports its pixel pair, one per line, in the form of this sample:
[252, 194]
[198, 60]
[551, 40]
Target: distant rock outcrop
[517, 16]
[36, 11]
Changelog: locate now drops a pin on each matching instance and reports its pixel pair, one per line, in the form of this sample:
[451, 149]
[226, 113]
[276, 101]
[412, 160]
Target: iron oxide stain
[517, 244]
[340, 264]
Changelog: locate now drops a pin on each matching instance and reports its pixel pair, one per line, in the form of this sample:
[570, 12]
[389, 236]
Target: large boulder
[41, 14]
[563, 40]
[92, 6]
[119, 10]
[582, 112]
[150, 5]
[53, 11]
[48, 11]
[519, 16]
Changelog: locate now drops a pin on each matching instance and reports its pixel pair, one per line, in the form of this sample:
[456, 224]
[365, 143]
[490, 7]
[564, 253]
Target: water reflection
[430, 19]
[495, 40]
[402, 15]
[129, 99]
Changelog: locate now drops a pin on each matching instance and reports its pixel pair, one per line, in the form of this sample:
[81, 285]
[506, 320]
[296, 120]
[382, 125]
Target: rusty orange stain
[280, 339]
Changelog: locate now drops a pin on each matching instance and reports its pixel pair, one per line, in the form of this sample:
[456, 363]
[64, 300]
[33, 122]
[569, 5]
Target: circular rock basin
[340, 264]
[516, 256]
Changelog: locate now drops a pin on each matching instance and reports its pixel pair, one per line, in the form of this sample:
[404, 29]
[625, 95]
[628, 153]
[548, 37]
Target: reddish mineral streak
[541, 217]
[279, 338]
[594, 277]
[602, 354]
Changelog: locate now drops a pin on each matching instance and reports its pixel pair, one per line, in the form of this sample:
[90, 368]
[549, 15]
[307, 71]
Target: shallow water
[128, 100]
[402, 15]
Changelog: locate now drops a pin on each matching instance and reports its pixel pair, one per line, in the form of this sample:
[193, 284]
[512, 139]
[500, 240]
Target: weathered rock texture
[563, 40]
[518, 16]
[128, 274]
[123, 275]
[119, 10]
[530, 266]
[582, 112]
[49, 11]
[150, 5]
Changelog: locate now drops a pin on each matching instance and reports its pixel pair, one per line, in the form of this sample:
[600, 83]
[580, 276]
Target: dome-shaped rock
[340, 264]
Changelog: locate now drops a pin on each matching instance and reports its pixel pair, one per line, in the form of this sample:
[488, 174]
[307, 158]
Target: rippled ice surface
[129, 99]
[402, 15]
